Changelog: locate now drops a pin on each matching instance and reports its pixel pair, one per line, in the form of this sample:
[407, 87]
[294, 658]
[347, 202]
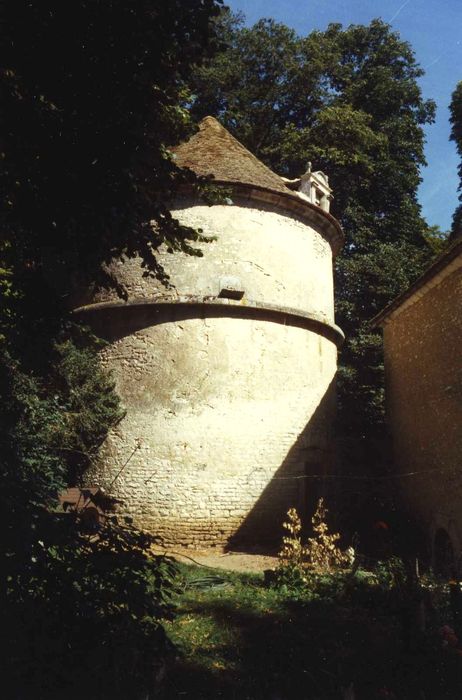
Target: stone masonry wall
[276, 258]
[423, 362]
[231, 413]
[227, 412]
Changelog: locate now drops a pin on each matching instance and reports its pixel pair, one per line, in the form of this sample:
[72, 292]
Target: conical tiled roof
[213, 151]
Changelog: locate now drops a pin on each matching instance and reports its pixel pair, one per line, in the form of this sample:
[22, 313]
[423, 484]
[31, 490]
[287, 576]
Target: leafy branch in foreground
[92, 96]
[89, 605]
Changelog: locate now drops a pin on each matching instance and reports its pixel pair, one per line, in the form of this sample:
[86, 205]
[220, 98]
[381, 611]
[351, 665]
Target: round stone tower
[228, 377]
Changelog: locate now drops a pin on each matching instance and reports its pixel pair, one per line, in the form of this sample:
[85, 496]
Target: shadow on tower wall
[303, 477]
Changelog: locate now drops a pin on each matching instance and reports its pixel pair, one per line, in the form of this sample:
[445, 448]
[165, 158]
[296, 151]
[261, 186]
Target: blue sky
[434, 30]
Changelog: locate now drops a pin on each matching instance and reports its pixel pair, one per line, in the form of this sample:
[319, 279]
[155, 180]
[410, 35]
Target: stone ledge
[445, 264]
[245, 308]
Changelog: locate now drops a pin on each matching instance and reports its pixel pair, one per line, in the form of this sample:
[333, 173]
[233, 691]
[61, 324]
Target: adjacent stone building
[423, 363]
[228, 377]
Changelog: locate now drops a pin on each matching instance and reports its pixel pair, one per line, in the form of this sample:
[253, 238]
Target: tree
[455, 109]
[347, 100]
[91, 102]
[91, 96]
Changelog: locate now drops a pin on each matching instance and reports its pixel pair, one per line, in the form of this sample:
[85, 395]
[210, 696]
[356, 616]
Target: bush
[77, 609]
[322, 550]
[86, 610]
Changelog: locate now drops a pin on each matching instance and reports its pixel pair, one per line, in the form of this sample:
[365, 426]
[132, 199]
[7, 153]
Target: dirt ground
[218, 559]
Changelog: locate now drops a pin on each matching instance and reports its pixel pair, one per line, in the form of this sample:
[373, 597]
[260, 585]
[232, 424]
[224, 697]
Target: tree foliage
[91, 100]
[92, 96]
[348, 100]
[456, 135]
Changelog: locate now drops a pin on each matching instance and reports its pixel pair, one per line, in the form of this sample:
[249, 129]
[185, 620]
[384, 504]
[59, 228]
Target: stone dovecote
[228, 376]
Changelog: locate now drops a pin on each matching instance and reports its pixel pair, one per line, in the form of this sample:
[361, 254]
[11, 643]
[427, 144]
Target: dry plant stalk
[291, 553]
[321, 553]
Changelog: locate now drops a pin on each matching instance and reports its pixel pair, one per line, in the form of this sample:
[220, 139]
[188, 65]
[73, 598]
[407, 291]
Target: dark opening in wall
[443, 554]
[230, 287]
[230, 293]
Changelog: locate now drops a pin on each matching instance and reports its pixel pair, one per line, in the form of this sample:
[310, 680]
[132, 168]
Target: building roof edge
[438, 265]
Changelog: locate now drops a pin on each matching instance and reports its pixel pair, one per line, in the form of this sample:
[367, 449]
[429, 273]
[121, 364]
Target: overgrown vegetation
[319, 626]
[86, 607]
[91, 101]
[250, 640]
[92, 98]
[456, 135]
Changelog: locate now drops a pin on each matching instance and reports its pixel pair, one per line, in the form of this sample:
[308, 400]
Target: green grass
[211, 625]
[240, 640]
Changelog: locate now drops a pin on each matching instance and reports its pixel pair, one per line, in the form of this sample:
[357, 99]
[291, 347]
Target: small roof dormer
[313, 187]
[316, 186]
